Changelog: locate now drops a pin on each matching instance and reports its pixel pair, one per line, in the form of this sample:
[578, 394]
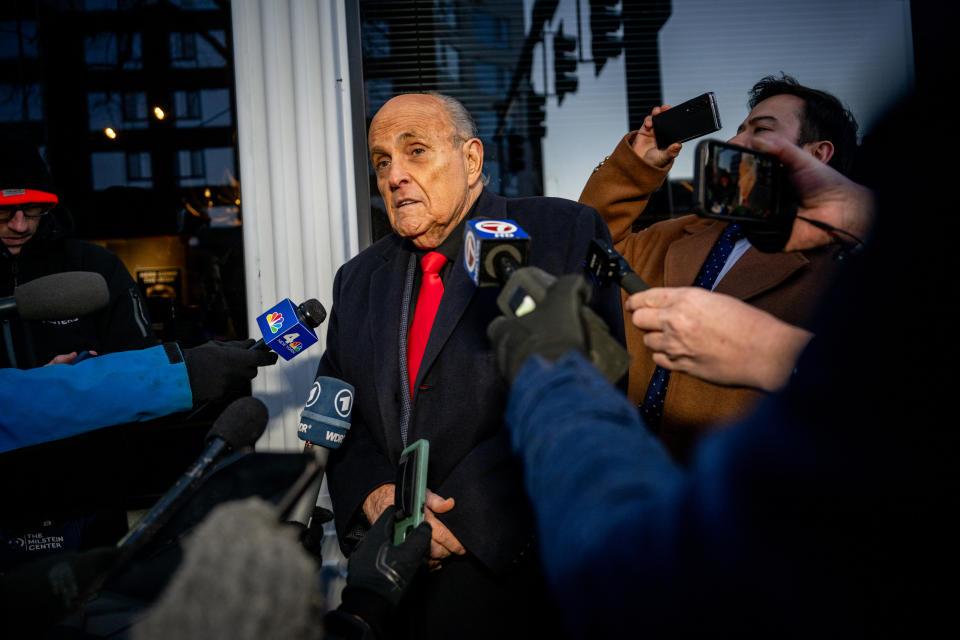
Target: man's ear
[473, 157]
[822, 150]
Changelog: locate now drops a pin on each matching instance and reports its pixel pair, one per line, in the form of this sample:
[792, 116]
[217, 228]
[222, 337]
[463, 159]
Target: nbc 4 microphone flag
[284, 330]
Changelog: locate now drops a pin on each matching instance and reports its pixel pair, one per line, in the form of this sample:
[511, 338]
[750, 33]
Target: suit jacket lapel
[459, 288]
[756, 272]
[386, 292]
[685, 256]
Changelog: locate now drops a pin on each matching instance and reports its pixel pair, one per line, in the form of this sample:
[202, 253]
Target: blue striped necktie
[651, 410]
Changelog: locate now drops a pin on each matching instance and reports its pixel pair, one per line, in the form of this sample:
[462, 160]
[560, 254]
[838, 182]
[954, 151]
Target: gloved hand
[560, 322]
[40, 593]
[386, 569]
[551, 330]
[312, 537]
[217, 369]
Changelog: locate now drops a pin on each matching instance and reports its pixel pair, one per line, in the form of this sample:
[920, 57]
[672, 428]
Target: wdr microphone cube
[326, 416]
[484, 240]
[285, 331]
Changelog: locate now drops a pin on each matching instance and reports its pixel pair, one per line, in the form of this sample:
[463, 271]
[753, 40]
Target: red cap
[25, 196]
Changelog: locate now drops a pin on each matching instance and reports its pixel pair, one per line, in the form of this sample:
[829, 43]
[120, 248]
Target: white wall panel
[297, 188]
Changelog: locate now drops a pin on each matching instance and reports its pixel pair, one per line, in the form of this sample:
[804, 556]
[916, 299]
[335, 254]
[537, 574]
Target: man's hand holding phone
[443, 543]
[645, 143]
[825, 195]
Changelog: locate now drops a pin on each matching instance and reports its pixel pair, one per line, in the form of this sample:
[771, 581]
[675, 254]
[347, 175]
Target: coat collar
[459, 288]
[386, 293]
[754, 273]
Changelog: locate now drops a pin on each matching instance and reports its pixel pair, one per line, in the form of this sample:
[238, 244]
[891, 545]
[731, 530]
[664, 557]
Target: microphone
[323, 426]
[289, 329]
[493, 250]
[606, 265]
[239, 426]
[59, 296]
[243, 575]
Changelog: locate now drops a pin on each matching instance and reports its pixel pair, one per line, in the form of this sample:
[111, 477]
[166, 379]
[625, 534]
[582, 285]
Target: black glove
[312, 537]
[552, 329]
[39, 594]
[559, 323]
[218, 369]
[386, 569]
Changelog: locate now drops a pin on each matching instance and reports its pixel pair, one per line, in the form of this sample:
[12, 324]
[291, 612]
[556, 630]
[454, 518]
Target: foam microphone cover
[244, 576]
[61, 296]
[241, 423]
[313, 312]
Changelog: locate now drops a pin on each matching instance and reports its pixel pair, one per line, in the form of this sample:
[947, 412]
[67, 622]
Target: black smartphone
[748, 187]
[83, 355]
[411, 489]
[694, 118]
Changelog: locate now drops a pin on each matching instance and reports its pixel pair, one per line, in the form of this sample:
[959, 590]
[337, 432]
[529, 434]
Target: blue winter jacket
[59, 401]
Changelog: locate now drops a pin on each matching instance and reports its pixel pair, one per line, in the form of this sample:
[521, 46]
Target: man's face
[779, 115]
[19, 229]
[428, 182]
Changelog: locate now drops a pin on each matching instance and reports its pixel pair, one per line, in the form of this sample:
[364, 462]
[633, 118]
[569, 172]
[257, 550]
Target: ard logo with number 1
[343, 402]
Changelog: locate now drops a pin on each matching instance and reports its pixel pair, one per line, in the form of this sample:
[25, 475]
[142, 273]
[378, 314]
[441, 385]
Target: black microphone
[59, 296]
[294, 336]
[323, 426]
[606, 265]
[239, 426]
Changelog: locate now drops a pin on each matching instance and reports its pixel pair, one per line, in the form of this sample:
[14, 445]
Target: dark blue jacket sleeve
[631, 542]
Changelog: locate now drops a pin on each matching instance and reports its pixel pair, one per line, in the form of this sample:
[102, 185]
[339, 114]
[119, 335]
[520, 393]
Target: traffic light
[605, 21]
[537, 114]
[564, 64]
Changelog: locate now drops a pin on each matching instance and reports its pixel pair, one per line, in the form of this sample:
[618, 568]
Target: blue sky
[859, 50]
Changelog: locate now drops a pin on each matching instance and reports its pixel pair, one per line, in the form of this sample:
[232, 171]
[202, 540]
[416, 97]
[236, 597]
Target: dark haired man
[685, 348]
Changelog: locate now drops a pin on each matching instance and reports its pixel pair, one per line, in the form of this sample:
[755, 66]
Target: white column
[296, 179]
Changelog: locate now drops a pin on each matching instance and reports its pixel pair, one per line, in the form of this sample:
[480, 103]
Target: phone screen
[740, 183]
[406, 480]
[745, 186]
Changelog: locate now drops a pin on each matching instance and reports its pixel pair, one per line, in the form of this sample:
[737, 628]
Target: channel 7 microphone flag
[284, 330]
[493, 249]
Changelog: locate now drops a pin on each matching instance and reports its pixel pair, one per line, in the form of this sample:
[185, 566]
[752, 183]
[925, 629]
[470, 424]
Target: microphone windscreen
[244, 576]
[313, 313]
[326, 416]
[61, 296]
[241, 423]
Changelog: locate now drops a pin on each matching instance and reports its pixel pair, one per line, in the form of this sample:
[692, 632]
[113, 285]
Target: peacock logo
[275, 320]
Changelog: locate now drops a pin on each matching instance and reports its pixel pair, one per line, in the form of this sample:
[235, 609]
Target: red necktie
[428, 300]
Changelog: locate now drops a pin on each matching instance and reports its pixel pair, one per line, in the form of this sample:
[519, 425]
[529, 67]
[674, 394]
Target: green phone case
[417, 477]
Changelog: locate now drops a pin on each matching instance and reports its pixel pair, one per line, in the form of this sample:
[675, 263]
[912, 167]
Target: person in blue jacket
[63, 400]
[827, 513]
